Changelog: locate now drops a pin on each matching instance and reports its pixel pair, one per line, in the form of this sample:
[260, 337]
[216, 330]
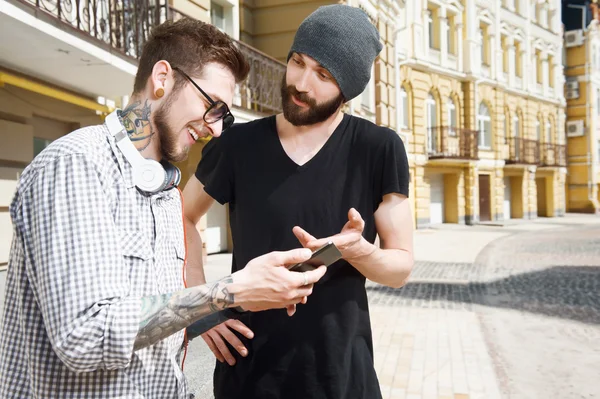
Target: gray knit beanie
[344, 41]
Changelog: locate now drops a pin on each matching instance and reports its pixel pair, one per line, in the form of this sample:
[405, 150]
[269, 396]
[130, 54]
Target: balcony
[260, 92]
[118, 25]
[554, 154]
[446, 142]
[97, 44]
[523, 151]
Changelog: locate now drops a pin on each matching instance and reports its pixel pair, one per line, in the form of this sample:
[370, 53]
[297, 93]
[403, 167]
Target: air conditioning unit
[575, 128]
[572, 85]
[574, 38]
[572, 94]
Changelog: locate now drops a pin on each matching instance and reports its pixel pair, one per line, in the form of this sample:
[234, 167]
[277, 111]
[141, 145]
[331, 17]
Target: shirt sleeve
[75, 267]
[393, 171]
[215, 170]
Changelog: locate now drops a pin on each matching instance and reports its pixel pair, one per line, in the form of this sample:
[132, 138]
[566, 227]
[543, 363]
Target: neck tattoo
[136, 119]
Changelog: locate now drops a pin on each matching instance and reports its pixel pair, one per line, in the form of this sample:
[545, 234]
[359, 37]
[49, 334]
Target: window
[551, 71]
[484, 123]
[452, 118]
[431, 28]
[543, 19]
[548, 132]
[539, 75]
[538, 130]
[516, 143]
[450, 35]
[431, 107]
[518, 60]
[217, 15]
[505, 124]
[598, 102]
[505, 54]
[482, 44]
[403, 108]
[39, 144]
[367, 95]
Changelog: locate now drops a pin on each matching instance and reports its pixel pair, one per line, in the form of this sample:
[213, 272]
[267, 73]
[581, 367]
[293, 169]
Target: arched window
[515, 142]
[431, 107]
[548, 131]
[484, 124]
[538, 129]
[452, 116]
[403, 107]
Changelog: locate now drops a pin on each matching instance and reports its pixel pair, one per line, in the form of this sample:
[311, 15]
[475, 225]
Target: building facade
[582, 73]
[474, 88]
[68, 64]
[482, 107]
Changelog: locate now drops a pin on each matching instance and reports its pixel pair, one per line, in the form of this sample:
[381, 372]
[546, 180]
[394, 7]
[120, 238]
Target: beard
[167, 136]
[315, 113]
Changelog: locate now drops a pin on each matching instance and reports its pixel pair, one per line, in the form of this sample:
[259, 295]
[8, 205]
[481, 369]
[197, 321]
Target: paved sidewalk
[428, 338]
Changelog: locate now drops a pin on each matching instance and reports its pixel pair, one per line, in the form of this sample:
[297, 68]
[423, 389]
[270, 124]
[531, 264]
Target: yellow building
[61, 69]
[474, 89]
[582, 70]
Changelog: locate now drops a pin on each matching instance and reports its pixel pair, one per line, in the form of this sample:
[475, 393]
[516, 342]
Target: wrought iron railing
[261, 91]
[554, 154]
[523, 151]
[124, 25]
[451, 142]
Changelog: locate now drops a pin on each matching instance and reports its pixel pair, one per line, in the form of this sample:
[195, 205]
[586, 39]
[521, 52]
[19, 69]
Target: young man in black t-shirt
[309, 175]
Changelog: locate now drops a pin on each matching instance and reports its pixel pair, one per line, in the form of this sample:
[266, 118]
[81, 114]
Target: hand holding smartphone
[326, 255]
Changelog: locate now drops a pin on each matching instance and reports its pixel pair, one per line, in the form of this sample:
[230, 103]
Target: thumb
[287, 258]
[355, 219]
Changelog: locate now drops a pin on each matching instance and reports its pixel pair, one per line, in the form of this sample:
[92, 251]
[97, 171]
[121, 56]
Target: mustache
[303, 97]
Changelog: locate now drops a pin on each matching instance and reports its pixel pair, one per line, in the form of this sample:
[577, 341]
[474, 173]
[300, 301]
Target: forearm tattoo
[164, 315]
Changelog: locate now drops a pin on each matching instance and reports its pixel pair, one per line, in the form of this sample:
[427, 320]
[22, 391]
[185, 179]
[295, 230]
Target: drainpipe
[587, 108]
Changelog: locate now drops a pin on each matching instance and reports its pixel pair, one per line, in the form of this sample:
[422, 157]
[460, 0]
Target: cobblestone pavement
[490, 312]
[540, 297]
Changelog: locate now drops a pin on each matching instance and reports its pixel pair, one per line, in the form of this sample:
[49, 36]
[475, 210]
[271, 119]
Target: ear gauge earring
[159, 92]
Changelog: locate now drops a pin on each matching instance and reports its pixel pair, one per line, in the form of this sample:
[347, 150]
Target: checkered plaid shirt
[87, 247]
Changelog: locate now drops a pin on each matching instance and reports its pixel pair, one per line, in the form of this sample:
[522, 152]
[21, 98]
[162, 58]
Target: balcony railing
[260, 92]
[450, 142]
[124, 25]
[554, 154]
[523, 151]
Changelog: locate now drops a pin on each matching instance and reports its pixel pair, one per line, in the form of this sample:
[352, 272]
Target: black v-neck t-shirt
[325, 351]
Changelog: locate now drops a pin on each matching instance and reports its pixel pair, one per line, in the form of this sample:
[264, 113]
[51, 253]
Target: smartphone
[326, 255]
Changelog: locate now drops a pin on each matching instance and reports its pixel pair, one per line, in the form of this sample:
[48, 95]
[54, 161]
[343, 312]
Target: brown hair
[189, 44]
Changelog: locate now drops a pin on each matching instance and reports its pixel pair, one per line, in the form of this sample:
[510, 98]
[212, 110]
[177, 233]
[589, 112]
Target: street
[508, 311]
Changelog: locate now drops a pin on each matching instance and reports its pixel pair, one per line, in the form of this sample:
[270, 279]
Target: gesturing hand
[349, 241]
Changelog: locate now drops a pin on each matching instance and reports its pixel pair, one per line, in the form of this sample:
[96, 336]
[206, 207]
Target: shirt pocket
[138, 257]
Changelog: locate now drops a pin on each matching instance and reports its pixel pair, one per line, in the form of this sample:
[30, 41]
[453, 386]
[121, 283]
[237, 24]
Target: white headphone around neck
[149, 176]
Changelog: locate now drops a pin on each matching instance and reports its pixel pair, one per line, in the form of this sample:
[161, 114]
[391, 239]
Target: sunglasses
[216, 111]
